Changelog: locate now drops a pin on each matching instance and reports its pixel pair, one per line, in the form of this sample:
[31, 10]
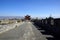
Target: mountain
[11, 17]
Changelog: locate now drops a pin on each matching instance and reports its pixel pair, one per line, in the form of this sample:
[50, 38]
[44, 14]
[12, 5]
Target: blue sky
[35, 8]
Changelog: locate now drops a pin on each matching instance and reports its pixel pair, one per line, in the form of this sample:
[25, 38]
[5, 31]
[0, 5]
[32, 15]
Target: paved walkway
[26, 31]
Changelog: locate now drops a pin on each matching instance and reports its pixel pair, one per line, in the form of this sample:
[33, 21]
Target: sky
[34, 8]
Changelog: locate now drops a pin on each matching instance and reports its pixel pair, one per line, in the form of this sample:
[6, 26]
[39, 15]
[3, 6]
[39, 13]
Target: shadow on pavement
[49, 35]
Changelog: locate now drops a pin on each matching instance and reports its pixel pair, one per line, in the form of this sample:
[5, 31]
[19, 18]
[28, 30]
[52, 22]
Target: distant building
[27, 17]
